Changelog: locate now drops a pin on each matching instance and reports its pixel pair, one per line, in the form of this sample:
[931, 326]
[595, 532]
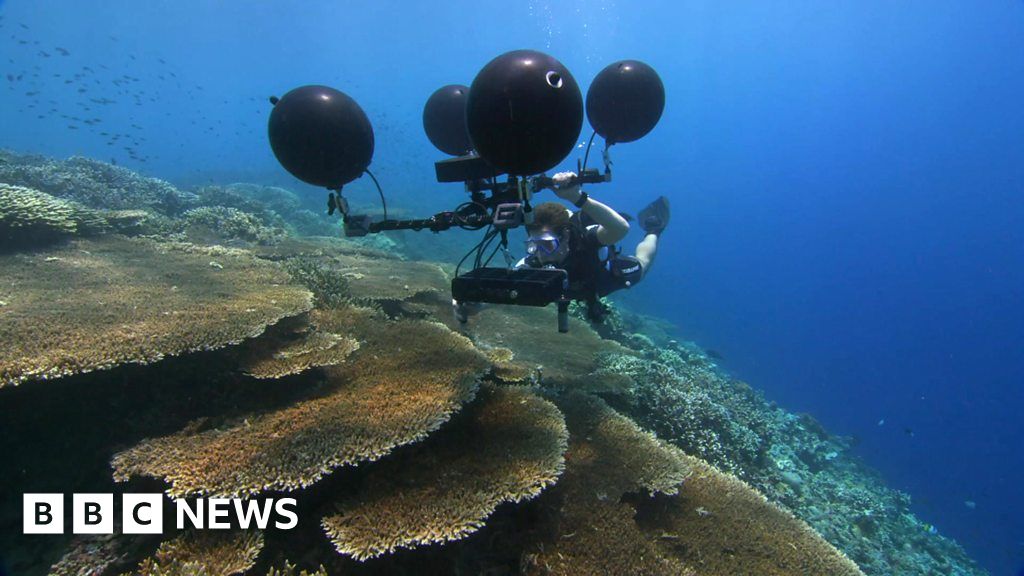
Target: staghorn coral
[218, 223]
[204, 553]
[29, 217]
[407, 378]
[94, 184]
[292, 347]
[329, 287]
[506, 448]
[97, 304]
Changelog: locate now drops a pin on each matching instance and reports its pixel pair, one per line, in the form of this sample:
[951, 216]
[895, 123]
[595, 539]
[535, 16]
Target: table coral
[206, 553]
[507, 448]
[96, 304]
[407, 378]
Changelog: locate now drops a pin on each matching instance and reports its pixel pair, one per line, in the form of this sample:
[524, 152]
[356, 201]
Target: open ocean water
[846, 180]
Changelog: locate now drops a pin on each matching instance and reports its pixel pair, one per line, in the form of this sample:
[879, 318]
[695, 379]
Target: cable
[587, 155]
[379, 191]
[473, 249]
[493, 252]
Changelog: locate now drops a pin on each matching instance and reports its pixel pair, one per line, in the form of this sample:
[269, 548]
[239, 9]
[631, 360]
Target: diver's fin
[654, 218]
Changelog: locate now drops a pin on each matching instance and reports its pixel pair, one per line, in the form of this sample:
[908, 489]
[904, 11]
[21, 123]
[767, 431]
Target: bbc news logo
[144, 513]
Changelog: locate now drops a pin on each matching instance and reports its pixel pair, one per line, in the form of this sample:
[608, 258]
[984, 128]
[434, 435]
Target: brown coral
[608, 456]
[537, 350]
[407, 378]
[205, 553]
[721, 526]
[294, 346]
[290, 569]
[713, 524]
[506, 448]
[29, 217]
[96, 304]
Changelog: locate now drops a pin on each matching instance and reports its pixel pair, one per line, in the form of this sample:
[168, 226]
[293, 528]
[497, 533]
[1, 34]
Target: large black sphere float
[321, 136]
[625, 101]
[524, 112]
[444, 120]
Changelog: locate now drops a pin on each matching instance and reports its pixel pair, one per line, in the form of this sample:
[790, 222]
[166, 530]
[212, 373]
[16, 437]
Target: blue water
[846, 180]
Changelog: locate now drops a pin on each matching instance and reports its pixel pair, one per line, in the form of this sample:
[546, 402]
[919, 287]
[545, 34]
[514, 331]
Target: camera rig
[497, 206]
[521, 116]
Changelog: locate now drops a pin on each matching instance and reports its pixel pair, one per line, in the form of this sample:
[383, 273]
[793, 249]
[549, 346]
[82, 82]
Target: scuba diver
[560, 238]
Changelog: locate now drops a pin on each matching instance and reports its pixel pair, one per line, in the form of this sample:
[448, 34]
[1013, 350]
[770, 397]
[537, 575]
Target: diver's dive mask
[543, 244]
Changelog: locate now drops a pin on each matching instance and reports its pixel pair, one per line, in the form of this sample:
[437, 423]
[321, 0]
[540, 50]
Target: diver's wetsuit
[590, 275]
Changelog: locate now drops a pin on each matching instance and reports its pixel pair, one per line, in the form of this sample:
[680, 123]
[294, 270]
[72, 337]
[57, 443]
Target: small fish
[62, 51]
[23, 26]
[909, 432]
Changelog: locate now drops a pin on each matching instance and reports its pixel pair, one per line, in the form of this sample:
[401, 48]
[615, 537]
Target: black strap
[581, 200]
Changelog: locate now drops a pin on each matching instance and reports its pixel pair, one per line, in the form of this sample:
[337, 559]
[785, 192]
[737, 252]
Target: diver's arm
[611, 226]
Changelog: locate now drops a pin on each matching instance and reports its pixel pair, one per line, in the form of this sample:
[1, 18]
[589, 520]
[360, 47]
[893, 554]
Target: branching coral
[218, 223]
[290, 569]
[94, 184]
[407, 378]
[29, 217]
[507, 448]
[96, 304]
[206, 553]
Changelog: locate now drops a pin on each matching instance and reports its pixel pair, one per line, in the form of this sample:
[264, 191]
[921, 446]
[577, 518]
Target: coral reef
[593, 532]
[132, 301]
[407, 378]
[29, 218]
[94, 184]
[212, 224]
[681, 395]
[704, 522]
[506, 449]
[206, 553]
[329, 287]
[368, 430]
[293, 346]
[274, 206]
[571, 360]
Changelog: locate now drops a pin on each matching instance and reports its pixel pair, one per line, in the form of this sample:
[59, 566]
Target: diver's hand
[566, 186]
